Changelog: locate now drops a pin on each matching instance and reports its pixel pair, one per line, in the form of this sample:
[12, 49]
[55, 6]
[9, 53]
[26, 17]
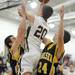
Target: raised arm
[29, 16]
[20, 35]
[60, 34]
[40, 8]
[23, 10]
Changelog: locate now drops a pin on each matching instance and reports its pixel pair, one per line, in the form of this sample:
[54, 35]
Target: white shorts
[29, 61]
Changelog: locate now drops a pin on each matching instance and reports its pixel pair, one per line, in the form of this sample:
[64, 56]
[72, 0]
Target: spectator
[65, 64]
[4, 68]
[71, 69]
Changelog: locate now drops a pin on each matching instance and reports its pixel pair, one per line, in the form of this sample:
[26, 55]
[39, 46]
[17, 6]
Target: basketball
[45, 1]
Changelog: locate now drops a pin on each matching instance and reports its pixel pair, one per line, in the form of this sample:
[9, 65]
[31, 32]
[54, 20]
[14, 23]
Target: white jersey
[30, 59]
[37, 33]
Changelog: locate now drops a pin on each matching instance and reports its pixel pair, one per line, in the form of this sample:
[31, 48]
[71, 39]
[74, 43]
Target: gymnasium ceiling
[8, 9]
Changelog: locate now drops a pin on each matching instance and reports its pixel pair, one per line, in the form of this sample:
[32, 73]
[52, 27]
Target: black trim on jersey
[28, 31]
[47, 46]
[13, 62]
[19, 67]
[19, 62]
[51, 50]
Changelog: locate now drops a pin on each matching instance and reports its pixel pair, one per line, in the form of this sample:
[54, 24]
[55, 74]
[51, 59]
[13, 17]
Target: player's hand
[61, 12]
[21, 11]
[24, 2]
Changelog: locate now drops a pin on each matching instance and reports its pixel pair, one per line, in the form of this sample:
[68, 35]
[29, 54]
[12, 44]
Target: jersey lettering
[46, 56]
[40, 32]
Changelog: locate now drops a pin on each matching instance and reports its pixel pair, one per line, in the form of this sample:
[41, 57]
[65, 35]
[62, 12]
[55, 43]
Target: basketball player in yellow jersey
[52, 51]
[14, 43]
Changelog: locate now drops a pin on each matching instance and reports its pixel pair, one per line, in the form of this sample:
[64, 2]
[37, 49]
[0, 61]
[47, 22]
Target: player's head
[9, 41]
[66, 39]
[47, 12]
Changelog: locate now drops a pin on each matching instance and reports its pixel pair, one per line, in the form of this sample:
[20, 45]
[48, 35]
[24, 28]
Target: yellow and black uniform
[26, 48]
[13, 59]
[48, 61]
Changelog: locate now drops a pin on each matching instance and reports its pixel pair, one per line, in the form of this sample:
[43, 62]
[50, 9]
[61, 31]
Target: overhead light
[33, 5]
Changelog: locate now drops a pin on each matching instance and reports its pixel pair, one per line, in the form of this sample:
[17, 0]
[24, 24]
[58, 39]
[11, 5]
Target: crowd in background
[66, 66]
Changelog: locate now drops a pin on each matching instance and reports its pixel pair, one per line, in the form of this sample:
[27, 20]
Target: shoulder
[48, 46]
[38, 18]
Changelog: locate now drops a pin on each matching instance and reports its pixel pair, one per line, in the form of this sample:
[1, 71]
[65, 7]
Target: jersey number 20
[40, 32]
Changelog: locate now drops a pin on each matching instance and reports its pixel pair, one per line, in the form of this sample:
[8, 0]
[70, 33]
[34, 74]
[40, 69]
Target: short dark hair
[8, 40]
[67, 36]
[47, 11]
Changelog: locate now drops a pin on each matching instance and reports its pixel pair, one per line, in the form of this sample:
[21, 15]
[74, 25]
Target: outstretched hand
[61, 12]
[21, 11]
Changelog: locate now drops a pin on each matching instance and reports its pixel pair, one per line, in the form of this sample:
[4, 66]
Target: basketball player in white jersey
[38, 31]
